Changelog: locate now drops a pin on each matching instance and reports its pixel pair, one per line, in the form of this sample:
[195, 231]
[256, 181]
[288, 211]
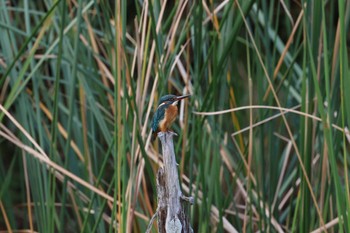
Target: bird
[166, 113]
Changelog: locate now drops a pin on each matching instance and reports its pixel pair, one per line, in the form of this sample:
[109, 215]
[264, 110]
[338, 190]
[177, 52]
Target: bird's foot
[172, 132]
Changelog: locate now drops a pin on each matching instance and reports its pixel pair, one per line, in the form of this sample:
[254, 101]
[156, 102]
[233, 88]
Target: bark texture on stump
[171, 214]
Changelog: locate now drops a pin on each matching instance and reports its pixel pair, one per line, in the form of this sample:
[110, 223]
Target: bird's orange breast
[169, 118]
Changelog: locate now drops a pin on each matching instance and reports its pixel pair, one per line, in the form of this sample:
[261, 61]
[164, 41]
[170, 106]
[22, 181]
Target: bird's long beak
[178, 98]
[182, 97]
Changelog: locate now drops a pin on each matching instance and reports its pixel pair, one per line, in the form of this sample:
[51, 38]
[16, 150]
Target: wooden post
[171, 214]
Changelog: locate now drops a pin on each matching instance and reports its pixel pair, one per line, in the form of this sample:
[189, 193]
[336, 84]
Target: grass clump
[263, 142]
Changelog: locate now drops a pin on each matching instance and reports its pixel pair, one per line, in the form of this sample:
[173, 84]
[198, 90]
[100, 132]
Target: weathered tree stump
[171, 214]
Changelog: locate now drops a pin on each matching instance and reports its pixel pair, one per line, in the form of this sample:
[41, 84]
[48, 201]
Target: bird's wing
[157, 117]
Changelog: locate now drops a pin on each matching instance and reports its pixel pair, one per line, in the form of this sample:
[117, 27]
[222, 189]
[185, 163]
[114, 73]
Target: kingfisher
[166, 113]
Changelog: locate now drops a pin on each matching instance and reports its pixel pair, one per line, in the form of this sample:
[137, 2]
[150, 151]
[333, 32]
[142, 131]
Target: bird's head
[171, 99]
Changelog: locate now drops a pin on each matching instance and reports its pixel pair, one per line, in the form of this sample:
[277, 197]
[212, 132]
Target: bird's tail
[154, 135]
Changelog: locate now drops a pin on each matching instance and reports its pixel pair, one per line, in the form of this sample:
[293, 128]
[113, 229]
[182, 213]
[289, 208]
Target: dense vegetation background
[80, 80]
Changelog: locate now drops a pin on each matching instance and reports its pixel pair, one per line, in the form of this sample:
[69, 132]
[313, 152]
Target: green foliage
[80, 81]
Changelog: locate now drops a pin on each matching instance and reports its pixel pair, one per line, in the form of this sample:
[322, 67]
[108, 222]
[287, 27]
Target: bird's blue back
[158, 116]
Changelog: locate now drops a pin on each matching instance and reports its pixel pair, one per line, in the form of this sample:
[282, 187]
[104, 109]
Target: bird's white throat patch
[174, 103]
[161, 104]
